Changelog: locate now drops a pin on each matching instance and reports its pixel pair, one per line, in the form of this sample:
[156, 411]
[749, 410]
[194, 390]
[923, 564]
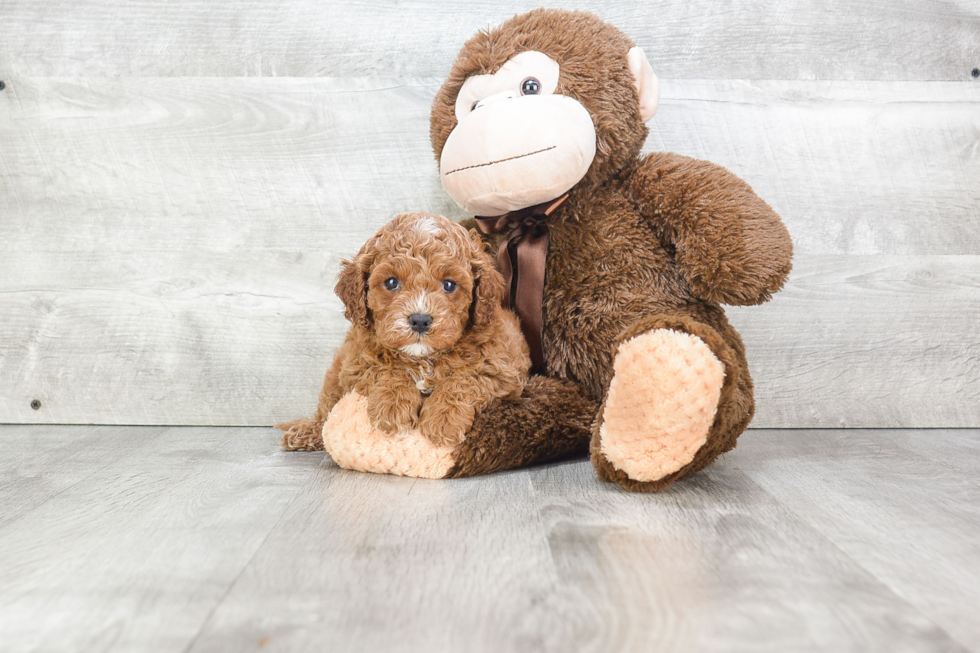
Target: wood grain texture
[39, 463]
[868, 341]
[748, 39]
[717, 563]
[884, 498]
[852, 341]
[168, 247]
[372, 563]
[570, 564]
[854, 168]
[134, 554]
[212, 540]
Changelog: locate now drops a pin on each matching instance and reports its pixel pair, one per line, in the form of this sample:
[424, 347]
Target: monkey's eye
[449, 286]
[391, 284]
[530, 86]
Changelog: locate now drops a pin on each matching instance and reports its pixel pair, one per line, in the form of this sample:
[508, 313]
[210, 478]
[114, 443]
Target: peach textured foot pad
[354, 443]
[661, 403]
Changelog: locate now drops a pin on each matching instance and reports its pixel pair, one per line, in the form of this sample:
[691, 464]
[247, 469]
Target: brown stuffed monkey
[617, 263]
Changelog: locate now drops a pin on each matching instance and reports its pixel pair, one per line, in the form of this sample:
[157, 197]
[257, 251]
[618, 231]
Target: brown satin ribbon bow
[522, 258]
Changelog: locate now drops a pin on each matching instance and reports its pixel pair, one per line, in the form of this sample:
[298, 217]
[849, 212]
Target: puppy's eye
[473, 108]
[449, 286]
[530, 86]
[391, 284]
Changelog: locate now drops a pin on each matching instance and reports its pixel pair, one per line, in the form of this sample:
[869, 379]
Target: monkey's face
[516, 143]
[549, 100]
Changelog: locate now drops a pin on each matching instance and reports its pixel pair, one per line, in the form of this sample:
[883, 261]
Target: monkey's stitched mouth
[510, 158]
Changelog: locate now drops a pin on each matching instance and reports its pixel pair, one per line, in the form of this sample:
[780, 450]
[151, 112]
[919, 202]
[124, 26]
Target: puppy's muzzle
[420, 322]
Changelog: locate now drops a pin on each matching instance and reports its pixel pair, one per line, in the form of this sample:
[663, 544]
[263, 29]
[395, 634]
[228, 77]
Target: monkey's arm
[730, 245]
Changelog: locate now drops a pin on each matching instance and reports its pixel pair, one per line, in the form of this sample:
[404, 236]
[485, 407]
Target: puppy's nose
[420, 322]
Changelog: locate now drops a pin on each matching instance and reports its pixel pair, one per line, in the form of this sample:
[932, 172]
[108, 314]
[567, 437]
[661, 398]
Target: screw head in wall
[36, 405]
[975, 72]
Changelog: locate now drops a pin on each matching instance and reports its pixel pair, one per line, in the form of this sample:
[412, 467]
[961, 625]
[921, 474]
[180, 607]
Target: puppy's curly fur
[438, 380]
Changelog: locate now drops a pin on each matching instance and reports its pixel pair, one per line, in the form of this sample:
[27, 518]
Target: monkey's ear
[352, 289]
[646, 83]
[488, 285]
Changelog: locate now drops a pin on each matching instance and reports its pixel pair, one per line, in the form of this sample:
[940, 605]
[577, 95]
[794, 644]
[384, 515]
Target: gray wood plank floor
[211, 539]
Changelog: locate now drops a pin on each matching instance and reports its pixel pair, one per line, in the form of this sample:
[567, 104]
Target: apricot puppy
[429, 344]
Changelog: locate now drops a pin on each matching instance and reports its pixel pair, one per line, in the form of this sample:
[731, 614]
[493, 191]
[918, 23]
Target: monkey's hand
[730, 245]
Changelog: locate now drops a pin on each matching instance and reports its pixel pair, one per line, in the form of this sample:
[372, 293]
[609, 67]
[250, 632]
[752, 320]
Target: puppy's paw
[444, 425]
[301, 435]
[391, 416]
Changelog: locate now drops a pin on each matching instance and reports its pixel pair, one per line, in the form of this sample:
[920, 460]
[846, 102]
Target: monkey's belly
[582, 325]
[606, 270]
[581, 349]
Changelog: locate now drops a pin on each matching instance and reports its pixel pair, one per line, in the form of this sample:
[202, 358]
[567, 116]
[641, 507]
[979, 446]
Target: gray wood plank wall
[178, 183]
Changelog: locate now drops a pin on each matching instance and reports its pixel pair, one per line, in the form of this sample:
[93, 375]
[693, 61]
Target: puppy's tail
[301, 435]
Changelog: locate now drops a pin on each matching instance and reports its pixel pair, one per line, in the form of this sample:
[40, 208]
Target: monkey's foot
[660, 405]
[301, 435]
[354, 443]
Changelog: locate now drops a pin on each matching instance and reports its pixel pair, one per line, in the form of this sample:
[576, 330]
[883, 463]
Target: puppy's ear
[488, 284]
[352, 287]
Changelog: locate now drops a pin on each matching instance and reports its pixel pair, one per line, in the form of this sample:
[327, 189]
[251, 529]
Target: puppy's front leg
[393, 404]
[448, 413]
